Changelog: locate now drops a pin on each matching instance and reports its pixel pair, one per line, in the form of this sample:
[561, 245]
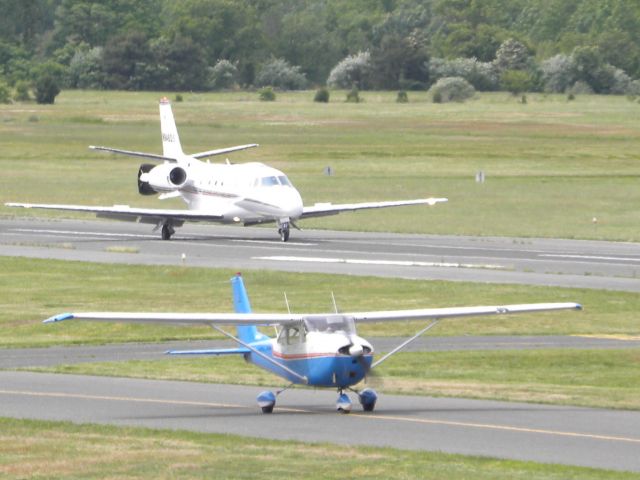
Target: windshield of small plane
[330, 324]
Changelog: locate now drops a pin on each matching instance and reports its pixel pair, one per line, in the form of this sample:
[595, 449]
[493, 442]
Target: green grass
[551, 165]
[590, 378]
[38, 450]
[32, 290]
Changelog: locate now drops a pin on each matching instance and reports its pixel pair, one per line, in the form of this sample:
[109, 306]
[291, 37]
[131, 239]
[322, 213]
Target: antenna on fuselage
[335, 305]
[286, 301]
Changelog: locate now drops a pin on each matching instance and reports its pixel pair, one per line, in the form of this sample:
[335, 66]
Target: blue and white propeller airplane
[242, 194]
[316, 350]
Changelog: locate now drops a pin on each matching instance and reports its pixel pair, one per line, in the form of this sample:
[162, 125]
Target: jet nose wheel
[266, 401]
[284, 232]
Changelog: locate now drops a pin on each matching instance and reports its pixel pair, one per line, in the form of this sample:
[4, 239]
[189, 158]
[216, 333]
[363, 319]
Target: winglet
[59, 318]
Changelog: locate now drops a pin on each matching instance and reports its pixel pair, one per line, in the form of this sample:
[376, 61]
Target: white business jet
[247, 194]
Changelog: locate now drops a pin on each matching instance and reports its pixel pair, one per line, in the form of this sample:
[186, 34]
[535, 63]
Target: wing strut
[404, 344]
[304, 380]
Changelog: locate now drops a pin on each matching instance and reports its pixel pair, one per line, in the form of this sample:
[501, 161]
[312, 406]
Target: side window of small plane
[269, 181]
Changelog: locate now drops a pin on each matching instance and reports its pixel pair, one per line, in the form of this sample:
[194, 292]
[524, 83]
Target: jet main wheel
[284, 232]
[167, 231]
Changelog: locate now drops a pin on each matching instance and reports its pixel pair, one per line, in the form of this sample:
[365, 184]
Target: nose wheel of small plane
[284, 231]
[167, 231]
[343, 405]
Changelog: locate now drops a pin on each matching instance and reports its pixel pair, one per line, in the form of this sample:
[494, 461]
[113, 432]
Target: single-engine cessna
[247, 194]
[317, 350]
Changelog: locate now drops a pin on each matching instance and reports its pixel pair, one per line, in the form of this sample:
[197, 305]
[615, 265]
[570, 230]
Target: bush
[4, 92]
[178, 98]
[516, 81]
[279, 73]
[46, 89]
[223, 75]
[22, 92]
[402, 97]
[85, 69]
[482, 75]
[451, 89]
[267, 94]
[353, 96]
[558, 73]
[350, 71]
[322, 95]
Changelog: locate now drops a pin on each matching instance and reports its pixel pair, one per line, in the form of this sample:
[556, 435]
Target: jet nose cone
[291, 203]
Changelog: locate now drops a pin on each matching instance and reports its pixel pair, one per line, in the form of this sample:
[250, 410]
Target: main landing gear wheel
[284, 232]
[167, 231]
[266, 401]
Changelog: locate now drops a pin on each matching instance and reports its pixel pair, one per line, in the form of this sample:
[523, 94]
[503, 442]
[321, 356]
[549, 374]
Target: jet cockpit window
[269, 181]
[330, 324]
[284, 181]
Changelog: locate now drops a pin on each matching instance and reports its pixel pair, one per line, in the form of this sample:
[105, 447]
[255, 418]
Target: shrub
[353, 96]
[516, 81]
[402, 97]
[4, 92]
[482, 75]
[22, 92]
[178, 98]
[322, 95]
[279, 73]
[558, 73]
[223, 75]
[85, 69]
[350, 71]
[267, 94]
[46, 89]
[451, 89]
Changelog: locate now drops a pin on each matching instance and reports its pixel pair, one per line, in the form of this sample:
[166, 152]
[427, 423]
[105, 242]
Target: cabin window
[291, 335]
[330, 324]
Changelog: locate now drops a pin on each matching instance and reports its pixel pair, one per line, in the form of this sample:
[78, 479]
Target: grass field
[39, 450]
[551, 165]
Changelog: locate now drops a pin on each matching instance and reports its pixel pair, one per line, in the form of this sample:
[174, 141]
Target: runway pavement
[550, 434]
[566, 263]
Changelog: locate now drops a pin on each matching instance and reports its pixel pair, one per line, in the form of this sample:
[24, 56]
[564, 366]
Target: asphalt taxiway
[550, 434]
[565, 263]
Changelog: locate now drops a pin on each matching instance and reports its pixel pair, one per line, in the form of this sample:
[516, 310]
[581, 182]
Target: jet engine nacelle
[160, 178]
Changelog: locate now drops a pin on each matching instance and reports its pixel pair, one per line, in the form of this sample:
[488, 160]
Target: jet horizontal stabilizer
[222, 151]
[134, 154]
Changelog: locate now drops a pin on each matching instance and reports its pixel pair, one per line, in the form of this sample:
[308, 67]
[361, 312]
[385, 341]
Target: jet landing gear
[167, 231]
[284, 231]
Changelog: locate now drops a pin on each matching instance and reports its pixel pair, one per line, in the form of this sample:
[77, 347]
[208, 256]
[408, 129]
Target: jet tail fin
[170, 140]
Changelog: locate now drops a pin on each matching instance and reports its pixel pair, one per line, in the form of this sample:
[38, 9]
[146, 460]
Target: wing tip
[59, 318]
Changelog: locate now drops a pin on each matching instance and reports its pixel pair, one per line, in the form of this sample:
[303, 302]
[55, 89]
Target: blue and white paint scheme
[317, 350]
[243, 194]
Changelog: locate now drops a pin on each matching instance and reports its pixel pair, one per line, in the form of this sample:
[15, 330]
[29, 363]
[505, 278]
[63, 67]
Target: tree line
[516, 45]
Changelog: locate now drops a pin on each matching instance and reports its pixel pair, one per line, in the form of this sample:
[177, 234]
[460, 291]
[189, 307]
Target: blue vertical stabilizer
[248, 334]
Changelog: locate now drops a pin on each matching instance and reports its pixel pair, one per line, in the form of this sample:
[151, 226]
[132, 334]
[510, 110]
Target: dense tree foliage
[389, 44]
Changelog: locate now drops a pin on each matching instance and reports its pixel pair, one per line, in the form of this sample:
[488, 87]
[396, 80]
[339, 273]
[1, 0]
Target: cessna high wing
[247, 194]
[317, 350]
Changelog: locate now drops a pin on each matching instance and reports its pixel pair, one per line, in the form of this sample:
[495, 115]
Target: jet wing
[152, 156]
[324, 209]
[222, 151]
[267, 319]
[127, 213]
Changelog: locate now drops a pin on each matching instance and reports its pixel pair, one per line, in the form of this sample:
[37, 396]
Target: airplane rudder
[170, 140]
